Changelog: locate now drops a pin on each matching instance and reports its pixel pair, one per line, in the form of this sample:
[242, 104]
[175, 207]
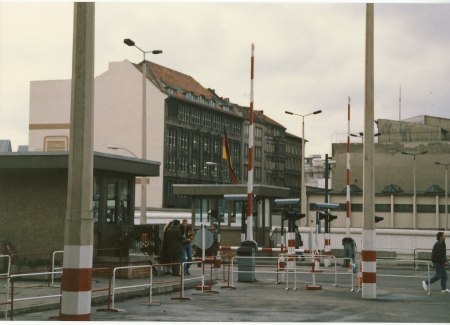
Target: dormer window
[171, 91]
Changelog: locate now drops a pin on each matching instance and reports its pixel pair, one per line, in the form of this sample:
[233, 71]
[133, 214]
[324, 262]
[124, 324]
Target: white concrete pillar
[368, 253]
[76, 283]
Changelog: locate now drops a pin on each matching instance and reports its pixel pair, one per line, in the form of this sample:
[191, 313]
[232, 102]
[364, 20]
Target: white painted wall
[49, 104]
[117, 117]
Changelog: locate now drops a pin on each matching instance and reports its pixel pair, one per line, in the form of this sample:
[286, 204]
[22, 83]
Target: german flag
[227, 157]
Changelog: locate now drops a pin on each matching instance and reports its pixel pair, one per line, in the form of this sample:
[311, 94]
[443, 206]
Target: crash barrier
[282, 267]
[57, 261]
[316, 269]
[54, 267]
[5, 263]
[423, 254]
[427, 264]
[10, 299]
[266, 249]
[114, 288]
[150, 284]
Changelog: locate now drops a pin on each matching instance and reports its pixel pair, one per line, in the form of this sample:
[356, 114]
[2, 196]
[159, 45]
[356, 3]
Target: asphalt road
[400, 298]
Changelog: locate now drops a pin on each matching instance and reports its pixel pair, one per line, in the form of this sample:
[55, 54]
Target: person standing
[164, 256]
[215, 244]
[174, 241]
[186, 251]
[439, 259]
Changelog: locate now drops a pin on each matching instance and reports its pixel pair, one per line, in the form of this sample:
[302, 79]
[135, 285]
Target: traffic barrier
[315, 268]
[213, 265]
[54, 267]
[287, 272]
[398, 261]
[228, 286]
[266, 249]
[5, 261]
[10, 299]
[114, 288]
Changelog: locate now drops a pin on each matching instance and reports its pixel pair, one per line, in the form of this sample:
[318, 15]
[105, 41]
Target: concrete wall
[391, 166]
[23, 197]
[392, 220]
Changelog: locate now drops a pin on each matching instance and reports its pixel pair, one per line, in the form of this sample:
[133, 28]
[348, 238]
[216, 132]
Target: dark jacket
[439, 253]
[174, 240]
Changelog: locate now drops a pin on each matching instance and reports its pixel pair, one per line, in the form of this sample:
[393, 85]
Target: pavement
[400, 298]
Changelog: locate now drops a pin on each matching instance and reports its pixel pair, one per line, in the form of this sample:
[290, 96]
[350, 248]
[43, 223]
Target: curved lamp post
[114, 147]
[302, 181]
[130, 42]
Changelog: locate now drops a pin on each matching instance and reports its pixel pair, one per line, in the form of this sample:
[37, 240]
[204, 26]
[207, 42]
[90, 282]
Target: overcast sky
[307, 57]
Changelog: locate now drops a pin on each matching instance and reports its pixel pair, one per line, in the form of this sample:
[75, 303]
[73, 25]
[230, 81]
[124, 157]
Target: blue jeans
[441, 273]
[186, 254]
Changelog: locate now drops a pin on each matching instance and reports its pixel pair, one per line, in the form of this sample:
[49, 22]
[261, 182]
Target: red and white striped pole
[347, 203]
[290, 236]
[250, 154]
[327, 258]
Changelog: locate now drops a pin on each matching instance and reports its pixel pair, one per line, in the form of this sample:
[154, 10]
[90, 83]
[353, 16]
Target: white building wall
[49, 111]
[117, 117]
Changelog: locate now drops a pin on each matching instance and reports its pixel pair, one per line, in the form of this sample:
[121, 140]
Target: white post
[368, 252]
[144, 142]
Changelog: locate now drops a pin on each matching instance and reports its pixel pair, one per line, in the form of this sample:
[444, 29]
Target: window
[258, 132]
[184, 140]
[258, 153]
[382, 208]
[403, 208]
[195, 142]
[171, 91]
[258, 174]
[207, 144]
[426, 208]
[194, 167]
[217, 147]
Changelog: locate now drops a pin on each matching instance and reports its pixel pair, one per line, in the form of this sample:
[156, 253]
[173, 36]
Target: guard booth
[232, 213]
[34, 198]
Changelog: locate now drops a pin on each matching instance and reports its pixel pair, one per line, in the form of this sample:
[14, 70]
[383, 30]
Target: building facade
[410, 187]
[186, 123]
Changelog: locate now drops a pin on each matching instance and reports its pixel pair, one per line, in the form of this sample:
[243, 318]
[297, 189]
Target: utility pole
[368, 253]
[76, 282]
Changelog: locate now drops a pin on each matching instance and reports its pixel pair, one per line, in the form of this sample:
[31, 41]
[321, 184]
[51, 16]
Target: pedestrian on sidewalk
[439, 259]
[186, 251]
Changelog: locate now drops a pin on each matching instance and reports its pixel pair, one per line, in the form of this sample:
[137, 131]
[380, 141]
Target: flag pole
[250, 154]
[347, 205]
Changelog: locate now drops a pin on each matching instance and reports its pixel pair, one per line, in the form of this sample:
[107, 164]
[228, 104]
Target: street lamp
[414, 154]
[446, 208]
[114, 147]
[302, 183]
[130, 42]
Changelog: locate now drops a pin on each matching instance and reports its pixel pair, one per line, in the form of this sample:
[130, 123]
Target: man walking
[439, 259]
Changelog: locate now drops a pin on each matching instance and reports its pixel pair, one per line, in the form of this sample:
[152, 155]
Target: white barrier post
[150, 301]
[53, 265]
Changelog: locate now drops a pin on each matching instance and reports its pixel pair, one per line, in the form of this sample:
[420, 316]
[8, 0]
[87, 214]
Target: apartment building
[185, 128]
